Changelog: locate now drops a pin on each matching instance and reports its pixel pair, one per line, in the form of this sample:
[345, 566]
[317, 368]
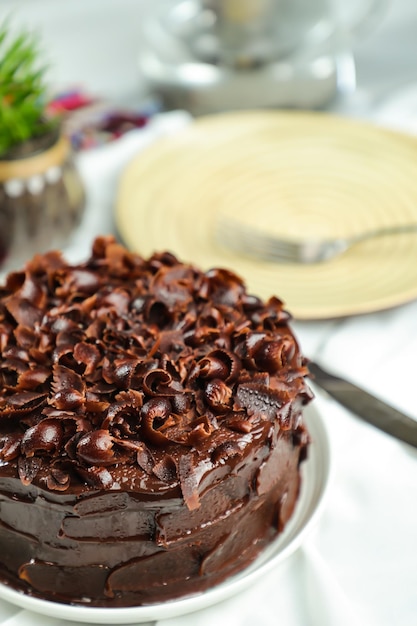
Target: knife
[365, 405]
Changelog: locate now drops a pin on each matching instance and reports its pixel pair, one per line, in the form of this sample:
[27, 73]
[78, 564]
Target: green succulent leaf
[23, 89]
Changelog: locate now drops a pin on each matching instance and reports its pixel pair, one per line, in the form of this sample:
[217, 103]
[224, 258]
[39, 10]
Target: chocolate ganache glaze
[151, 427]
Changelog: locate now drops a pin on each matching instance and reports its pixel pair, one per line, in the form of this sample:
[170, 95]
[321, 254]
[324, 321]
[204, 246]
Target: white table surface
[360, 564]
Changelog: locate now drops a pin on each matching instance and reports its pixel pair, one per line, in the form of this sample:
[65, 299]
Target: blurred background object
[41, 194]
[96, 45]
[96, 51]
[216, 55]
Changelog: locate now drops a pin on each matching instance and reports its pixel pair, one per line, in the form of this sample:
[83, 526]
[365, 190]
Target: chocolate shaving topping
[28, 468]
[45, 437]
[189, 481]
[144, 362]
[259, 400]
[68, 388]
[58, 480]
[145, 459]
[218, 395]
[166, 469]
[10, 446]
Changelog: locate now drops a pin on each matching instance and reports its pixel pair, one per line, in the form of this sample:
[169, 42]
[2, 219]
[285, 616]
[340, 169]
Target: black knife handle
[365, 405]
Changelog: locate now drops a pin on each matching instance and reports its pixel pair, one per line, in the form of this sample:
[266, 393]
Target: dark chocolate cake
[151, 427]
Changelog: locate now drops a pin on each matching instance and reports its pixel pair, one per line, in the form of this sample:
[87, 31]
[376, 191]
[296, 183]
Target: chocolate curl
[10, 446]
[225, 287]
[132, 398]
[97, 477]
[14, 281]
[212, 367]
[173, 287]
[145, 458]
[72, 423]
[116, 302]
[157, 313]
[68, 388]
[68, 333]
[120, 372]
[271, 315]
[155, 414]
[210, 316]
[252, 343]
[218, 395]
[189, 481]
[159, 382]
[77, 282]
[99, 447]
[238, 424]
[201, 431]
[45, 437]
[120, 262]
[166, 469]
[32, 378]
[272, 355]
[261, 401]
[23, 311]
[6, 331]
[124, 416]
[226, 450]
[25, 337]
[11, 363]
[22, 403]
[87, 354]
[58, 480]
[28, 469]
[201, 335]
[159, 425]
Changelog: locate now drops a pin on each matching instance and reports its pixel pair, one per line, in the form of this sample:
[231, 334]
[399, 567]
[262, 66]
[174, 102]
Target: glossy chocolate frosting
[150, 427]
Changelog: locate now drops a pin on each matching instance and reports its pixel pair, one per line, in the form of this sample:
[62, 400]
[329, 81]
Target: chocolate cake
[151, 427]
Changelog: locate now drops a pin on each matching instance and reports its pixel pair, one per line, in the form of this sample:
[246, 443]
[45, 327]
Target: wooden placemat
[290, 173]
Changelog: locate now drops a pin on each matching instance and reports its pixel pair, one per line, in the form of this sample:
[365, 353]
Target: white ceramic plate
[316, 471]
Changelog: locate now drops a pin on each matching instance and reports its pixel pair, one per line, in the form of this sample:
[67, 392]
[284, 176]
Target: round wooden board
[290, 173]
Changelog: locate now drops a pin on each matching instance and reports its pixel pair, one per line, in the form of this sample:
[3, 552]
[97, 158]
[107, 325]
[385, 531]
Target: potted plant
[41, 194]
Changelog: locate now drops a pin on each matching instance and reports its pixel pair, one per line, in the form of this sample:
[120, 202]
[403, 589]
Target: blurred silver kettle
[214, 55]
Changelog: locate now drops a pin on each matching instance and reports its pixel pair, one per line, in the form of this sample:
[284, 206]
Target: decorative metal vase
[41, 199]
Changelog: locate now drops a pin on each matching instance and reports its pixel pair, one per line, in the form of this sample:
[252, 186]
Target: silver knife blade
[370, 408]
